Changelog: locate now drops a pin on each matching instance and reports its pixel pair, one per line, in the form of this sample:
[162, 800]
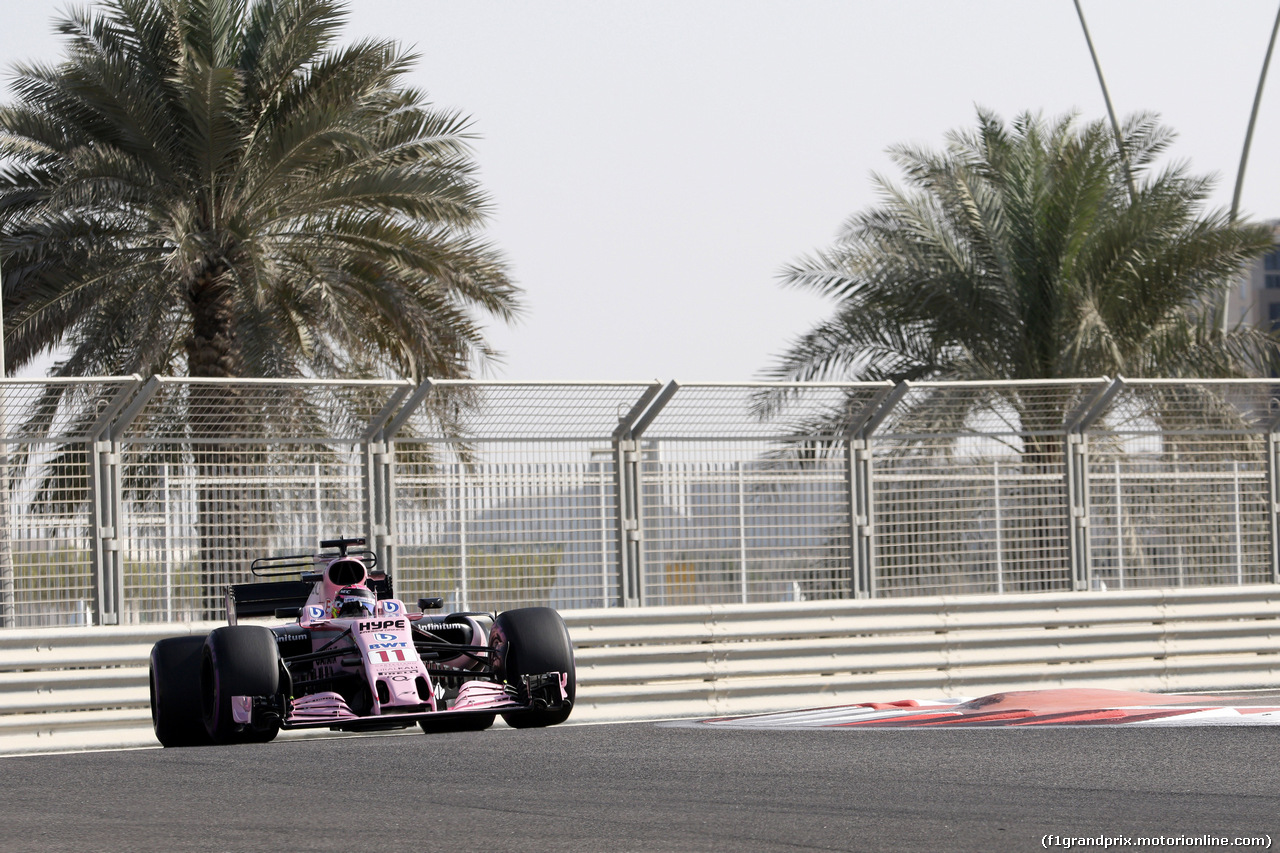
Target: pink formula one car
[356, 660]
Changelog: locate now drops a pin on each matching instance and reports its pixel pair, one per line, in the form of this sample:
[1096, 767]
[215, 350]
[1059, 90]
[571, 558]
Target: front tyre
[533, 641]
[176, 712]
[239, 660]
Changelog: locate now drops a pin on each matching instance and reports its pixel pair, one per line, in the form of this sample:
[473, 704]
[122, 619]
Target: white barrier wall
[74, 687]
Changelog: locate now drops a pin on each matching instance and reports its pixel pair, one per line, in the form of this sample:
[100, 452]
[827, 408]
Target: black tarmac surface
[644, 787]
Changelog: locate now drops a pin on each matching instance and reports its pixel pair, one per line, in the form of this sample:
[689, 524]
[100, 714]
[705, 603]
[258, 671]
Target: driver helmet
[354, 601]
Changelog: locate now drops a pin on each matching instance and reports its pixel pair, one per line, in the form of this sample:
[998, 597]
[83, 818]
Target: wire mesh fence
[971, 488]
[745, 495]
[214, 474]
[139, 501]
[1180, 484]
[507, 493]
[47, 572]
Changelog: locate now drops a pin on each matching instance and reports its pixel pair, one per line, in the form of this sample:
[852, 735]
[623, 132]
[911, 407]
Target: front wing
[330, 710]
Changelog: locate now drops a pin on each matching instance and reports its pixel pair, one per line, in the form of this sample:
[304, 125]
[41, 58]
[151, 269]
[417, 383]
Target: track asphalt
[648, 787]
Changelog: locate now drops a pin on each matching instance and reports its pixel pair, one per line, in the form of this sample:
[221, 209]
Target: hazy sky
[654, 164]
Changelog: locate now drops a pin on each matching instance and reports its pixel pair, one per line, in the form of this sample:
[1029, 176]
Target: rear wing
[282, 599]
[285, 599]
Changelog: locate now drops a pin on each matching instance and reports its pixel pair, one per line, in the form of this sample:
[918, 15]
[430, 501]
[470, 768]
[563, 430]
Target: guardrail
[87, 687]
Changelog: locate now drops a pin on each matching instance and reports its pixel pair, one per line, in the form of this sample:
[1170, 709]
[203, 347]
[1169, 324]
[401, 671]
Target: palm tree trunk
[211, 353]
[211, 349]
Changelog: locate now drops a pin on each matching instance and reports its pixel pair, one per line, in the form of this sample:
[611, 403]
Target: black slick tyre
[531, 641]
[176, 713]
[240, 660]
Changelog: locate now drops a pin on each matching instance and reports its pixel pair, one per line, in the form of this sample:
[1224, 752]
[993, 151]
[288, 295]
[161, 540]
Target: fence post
[742, 531]
[861, 489]
[108, 575]
[379, 457]
[463, 586]
[858, 473]
[8, 599]
[604, 537]
[627, 476]
[1077, 448]
[379, 491]
[372, 452]
[106, 498]
[628, 522]
[98, 531]
[168, 542]
[1238, 536]
[1119, 526]
[1273, 495]
[995, 491]
[1076, 441]
[391, 539]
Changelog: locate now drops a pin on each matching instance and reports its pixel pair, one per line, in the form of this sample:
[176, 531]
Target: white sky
[654, 164]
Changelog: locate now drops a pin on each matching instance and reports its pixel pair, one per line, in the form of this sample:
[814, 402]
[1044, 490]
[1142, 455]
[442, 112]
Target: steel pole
[1244, 153]
[1106, 96]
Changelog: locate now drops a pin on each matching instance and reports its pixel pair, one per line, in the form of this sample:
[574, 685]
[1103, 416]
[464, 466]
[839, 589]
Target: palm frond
[1018, 252]
[228, 166]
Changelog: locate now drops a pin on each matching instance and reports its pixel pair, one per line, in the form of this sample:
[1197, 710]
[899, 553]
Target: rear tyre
[468, 723]
[176, 711]
[531, 641]
[240, 660]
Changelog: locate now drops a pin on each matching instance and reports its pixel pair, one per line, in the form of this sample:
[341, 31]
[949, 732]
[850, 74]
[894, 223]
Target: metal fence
[130, 501]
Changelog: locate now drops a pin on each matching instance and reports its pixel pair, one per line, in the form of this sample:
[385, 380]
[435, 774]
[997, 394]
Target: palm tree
[211, 187]
[1042, 249]
[215, 188]
[1019, 253]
